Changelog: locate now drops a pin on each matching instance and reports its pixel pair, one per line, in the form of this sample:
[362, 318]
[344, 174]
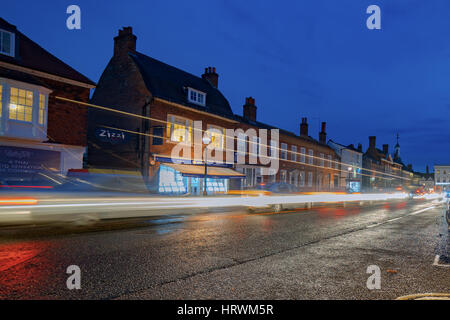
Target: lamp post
[206, 140]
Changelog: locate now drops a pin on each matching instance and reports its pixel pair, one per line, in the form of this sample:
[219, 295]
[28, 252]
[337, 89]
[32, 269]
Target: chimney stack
[385, 149]
[359, 147]
[323, 134]
[211, 76]
[250, 109]
[125, 42]
[372, 141]
[428, 170]
[410, 167]
[304, 127]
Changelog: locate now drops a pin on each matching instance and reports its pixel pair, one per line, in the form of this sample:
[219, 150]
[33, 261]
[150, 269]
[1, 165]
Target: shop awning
[189, 170]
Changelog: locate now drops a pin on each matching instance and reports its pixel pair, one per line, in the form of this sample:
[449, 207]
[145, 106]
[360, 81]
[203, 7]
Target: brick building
[382, 171]
[39, 134]
[156, 109]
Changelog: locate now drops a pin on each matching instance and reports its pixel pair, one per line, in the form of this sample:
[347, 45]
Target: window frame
[12, 43]
[23, 106]
[197, 94]
[294, 153]
[222, 136]
[283, 151]
[302, 154]
[310, 156]
[171, 126]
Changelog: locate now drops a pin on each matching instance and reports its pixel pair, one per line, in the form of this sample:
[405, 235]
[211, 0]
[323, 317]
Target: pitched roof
[350, 146]
[29, 54]
[282, 131]
[170, 83]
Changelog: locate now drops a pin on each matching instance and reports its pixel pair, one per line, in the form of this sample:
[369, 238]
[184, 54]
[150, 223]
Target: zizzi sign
[27, 160]
[110, 135]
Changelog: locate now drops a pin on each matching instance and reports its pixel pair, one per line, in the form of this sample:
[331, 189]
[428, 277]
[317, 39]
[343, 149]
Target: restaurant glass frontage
[190, 179]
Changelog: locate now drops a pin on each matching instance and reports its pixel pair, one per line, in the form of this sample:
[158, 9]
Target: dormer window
[6, 43]
[197, 97]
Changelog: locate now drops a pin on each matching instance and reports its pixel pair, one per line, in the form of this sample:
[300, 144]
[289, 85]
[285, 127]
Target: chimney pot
[323, 134]
[124, 42]
[250, 109]
[211, 76]
[304, 127]
[372, 142]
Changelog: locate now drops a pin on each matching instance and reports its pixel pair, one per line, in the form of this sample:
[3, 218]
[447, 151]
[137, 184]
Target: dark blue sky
[312, 59]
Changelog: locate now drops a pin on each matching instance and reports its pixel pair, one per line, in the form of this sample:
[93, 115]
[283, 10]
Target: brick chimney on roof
[125, 42]
[249, 109]
[385, 149]
[211, 76]
[323, 134]
[304, 127]
[372, 141]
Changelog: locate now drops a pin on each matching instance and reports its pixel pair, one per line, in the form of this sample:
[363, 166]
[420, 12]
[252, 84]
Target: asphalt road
[321, 253]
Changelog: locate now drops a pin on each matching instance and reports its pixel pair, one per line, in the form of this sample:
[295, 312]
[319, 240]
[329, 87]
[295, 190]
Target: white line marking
[398, 218]
[437, 264]
[423, 210]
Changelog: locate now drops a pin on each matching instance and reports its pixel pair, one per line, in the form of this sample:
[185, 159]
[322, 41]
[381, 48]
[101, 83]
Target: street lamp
[206, 141]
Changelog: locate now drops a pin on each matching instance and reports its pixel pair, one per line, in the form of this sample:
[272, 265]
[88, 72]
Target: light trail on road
[73, 207]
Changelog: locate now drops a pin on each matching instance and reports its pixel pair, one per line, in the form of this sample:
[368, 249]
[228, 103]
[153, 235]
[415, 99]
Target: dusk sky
[313, 59]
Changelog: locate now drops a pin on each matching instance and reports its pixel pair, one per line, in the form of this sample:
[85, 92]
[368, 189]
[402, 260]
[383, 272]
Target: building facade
[442, 176]
[40, 134]
[351, 164]
[153, 118]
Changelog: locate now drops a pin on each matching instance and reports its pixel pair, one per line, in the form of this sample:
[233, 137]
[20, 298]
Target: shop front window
[171, 181]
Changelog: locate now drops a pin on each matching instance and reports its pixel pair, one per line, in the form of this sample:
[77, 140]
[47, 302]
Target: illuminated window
[310, 179]
[41, 108]
[217, 135]
[329, 161]
[196, 97]
[171, 181]
[7, 43]
[179, 129]
[21, 105]
[322, 160]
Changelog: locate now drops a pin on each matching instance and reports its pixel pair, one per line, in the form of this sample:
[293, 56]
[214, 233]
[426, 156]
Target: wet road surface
[321, 253]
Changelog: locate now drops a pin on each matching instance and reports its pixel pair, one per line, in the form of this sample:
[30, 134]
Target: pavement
[320, 253]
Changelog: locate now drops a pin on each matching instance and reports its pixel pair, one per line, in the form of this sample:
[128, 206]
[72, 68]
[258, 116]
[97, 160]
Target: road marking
[398, 218]
[437, 264]
[390, 220]
[423, 210]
